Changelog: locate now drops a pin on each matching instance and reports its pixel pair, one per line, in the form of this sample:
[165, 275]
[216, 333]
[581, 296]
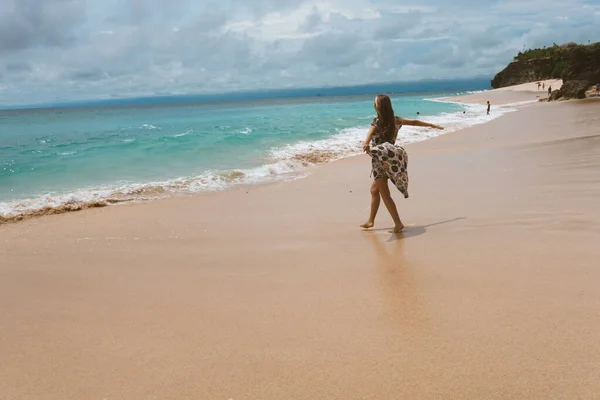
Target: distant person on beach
[539, 84]
[597, 88]
[489, 107]
[388, 161]
[544, 86]
[549, 91]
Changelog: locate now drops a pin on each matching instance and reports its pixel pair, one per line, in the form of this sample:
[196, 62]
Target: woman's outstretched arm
[416, 122]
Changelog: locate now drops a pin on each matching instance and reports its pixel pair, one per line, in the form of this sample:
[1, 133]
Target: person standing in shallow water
[489, 107]
[388, 161]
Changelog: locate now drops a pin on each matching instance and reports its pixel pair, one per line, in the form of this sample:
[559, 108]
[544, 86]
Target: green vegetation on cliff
[556, 51]
[577, 65]
[558, 56]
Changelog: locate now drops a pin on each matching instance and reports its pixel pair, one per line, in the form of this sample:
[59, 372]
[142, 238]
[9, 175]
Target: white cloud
[77, 49]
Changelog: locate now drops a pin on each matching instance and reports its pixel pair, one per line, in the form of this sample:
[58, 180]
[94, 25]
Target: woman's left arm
[416, 122]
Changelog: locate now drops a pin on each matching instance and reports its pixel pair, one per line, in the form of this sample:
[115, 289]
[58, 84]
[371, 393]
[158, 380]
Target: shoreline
[304, 164]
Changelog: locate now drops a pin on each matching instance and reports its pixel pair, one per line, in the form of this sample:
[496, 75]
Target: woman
[388, 160]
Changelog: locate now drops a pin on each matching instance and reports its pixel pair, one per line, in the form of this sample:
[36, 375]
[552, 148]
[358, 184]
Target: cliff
[577, 65]
[582, 71]
[518, 72]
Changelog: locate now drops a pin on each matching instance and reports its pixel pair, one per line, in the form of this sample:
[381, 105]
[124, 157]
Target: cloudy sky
[55, 50]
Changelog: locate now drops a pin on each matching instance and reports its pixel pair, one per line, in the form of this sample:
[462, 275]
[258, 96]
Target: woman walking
[388, 161]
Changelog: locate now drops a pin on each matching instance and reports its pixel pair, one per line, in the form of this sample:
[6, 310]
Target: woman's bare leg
[375, 201]
[384, 191]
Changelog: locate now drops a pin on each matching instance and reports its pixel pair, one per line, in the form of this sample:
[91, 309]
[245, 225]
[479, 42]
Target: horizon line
[270, 93]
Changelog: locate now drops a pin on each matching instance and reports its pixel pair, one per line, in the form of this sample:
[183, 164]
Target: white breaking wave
[349, 141]
[183, 133]
[128, 192]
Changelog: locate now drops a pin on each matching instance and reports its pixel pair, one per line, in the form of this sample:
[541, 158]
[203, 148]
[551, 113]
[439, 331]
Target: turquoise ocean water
[50, 157]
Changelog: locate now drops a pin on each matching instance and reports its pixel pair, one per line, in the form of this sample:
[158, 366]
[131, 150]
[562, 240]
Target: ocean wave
[183, 133]
[348, 142]
[286, 162]
[345, 143]
[57, 203]
[467, 92]
[44, 140]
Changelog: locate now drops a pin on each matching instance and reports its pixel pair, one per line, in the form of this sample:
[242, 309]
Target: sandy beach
[525, 92]
[273, 292]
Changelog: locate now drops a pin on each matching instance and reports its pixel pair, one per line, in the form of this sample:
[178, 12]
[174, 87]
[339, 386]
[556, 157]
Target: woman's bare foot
[368, 225]
[397, 228]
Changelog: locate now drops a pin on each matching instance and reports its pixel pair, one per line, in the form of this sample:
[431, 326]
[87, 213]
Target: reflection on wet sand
[398, 281]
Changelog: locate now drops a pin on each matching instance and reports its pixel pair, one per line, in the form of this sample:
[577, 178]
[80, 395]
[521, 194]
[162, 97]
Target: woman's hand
[366, 147]
[367, 143]
[434, 126]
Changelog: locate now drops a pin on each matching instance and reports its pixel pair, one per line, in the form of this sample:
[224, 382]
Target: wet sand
[274, 293]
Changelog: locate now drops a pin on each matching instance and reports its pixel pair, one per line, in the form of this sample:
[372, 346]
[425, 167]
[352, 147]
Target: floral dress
[389, 160]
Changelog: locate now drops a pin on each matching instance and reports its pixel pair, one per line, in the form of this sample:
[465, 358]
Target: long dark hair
[386, 120]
